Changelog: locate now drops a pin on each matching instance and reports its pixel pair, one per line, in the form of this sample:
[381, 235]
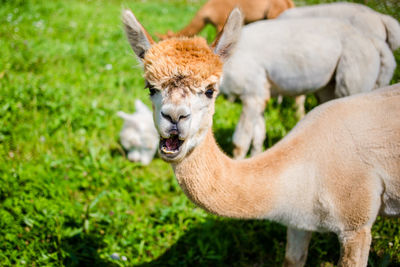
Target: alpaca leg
[277, 7]
[355, 248]
[195, 26]
[244, 129]
[296, 247]
[326, 94]
[251, 126]
[209, 13]
[387, 66]
[358, 67]
[258, 104]
[279, 99]
[259, 131]
[300, 101]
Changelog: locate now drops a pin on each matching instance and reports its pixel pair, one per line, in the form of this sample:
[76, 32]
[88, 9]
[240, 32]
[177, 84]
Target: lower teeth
[166, 151]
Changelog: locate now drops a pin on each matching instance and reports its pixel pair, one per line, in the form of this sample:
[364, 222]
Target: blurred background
[68, 195]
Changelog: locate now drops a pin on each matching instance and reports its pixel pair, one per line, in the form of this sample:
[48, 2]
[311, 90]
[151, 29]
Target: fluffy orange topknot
[188, 59]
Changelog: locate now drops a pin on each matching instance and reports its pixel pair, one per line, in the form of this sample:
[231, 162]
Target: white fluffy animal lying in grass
[138, 136]
[291, 57]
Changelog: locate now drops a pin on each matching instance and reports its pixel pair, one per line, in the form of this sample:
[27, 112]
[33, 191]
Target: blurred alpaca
[365, 19]
[138, 136]
[216, 12]
[291, 57]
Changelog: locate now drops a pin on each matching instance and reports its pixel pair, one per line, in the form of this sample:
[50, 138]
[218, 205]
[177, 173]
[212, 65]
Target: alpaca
[362, 17]
[335, 171]
[138, 136]
[215, 12]
[365, 19]
[293, 57]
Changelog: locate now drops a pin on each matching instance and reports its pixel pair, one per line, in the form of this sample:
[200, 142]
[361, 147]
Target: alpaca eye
[209, 91]
[152, 89]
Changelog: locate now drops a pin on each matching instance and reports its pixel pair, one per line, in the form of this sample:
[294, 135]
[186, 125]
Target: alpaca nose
[175, 114]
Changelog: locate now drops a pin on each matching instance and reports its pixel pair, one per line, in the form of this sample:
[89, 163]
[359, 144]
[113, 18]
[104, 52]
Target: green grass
[67, 194]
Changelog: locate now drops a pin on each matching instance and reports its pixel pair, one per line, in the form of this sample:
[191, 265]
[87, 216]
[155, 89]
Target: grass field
[67, 194]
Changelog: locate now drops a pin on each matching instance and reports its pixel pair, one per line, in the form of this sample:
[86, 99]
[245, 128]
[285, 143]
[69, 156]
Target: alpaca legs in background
[251, 128]
[300, 108]
[296, 247]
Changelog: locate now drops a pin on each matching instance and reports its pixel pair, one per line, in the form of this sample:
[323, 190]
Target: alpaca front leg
[259, 131]
[195, 25]
[277, 7]
[296, 247]
[300, 109]
[242, 135]
[355, 247]
[259, 134]
[251, 126]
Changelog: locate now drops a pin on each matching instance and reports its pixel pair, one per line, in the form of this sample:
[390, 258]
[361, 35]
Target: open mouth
[170, 146]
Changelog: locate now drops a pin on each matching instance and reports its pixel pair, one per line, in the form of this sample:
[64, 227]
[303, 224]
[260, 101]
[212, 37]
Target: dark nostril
[167, 117]
[184, 116]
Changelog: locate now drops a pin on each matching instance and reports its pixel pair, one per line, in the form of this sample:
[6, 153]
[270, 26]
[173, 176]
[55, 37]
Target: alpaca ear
[123, 115]
[226, 40]
[138, 37]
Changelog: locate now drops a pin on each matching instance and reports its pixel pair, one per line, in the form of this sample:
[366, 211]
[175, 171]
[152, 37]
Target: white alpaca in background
[292, 57]
[365, 19]
[138, 136]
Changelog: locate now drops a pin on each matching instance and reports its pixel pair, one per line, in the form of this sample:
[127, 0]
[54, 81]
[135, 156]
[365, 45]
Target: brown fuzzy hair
[188, 59]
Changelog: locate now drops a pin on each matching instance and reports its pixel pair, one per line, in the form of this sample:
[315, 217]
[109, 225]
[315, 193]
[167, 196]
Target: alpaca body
[347, 152]
[335, 171]
[362, 17]
[365, 19]
[299, 56]
[216, 12]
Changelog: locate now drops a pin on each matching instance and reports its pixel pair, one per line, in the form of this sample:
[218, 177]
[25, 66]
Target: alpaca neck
[232, 188]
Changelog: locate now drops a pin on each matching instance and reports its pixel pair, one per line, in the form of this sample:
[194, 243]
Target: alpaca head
[182, 75]
[138, 136]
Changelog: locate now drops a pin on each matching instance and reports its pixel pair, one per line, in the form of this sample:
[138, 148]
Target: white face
[182, 118]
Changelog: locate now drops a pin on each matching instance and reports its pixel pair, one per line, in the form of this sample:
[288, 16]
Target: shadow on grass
[81, 250]
[224, 242]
